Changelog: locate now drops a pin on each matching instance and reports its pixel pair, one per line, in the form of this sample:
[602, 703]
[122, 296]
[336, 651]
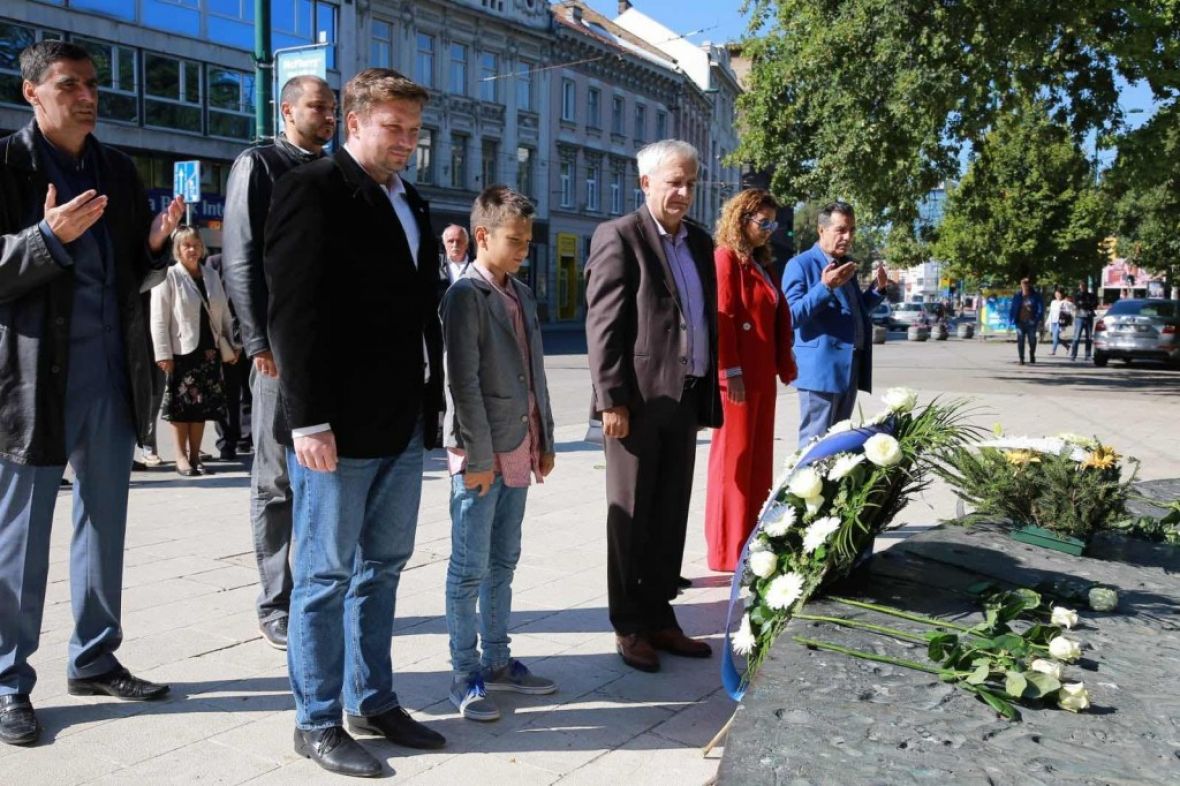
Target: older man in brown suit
[651, 326]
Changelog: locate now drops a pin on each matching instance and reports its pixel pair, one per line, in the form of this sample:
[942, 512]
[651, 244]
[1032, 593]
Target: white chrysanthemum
[743, 641]
[813, 504]
[883, 450]
[776, 525]
[784, 590]
[843, 425]
[900, 399]
[819, 532]
[845, 463]
[763, 564]
[759, 544]
[806, 483]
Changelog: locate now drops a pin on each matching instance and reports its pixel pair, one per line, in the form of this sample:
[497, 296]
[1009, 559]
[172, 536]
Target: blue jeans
[1055, 332]
[485, 547]
[1026, 331]
[1082, 325]
[100, 440]
[353, 532]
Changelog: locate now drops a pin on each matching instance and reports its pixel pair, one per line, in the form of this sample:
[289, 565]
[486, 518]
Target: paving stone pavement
[190, 588]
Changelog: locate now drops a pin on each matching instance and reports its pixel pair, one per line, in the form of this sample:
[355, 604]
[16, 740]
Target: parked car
[1138, 329]
[882, 315]
[911, 313]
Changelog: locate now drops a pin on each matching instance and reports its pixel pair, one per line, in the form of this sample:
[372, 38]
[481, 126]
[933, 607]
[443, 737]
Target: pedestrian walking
[78, 245]
[499, 435]
[352, 268]
[1060, 316]
[308, 108]
[1085, 304]
[192, 332]
[754, 338]
[1026, 313]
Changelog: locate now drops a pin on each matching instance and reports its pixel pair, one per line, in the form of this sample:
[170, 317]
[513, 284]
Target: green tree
[1027, 206]
[877, 99]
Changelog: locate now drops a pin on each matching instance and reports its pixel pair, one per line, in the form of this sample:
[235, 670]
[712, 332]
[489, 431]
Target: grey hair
[652, 157]
[459, 227]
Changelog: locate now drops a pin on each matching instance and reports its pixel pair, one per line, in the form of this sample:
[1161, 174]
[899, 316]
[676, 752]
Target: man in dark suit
[352, 268]
[651, 328]
[833, 332]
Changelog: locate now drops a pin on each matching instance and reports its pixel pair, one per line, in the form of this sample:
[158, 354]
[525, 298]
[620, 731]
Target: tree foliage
[1027, 206]
[875, 100]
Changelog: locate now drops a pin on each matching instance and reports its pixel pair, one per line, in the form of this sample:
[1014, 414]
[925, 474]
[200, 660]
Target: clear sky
[721, 17]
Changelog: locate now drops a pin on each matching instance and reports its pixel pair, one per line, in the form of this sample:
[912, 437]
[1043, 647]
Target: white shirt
[455, 269]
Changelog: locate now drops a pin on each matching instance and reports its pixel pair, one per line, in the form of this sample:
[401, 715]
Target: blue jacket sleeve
[804, 298]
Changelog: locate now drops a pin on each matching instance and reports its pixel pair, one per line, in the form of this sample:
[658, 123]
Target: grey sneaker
[514, 677]
[471, 697]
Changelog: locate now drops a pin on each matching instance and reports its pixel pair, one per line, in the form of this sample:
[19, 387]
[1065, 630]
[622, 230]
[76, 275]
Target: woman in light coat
[192, 334]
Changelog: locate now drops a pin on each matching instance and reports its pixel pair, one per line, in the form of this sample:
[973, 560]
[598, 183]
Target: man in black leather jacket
[309, 122]
[78, 245]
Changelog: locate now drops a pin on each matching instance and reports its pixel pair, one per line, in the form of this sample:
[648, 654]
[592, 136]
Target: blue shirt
[692, 296]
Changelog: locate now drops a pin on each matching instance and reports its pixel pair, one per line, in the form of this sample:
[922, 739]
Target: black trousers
[648, 487]
[237, 397]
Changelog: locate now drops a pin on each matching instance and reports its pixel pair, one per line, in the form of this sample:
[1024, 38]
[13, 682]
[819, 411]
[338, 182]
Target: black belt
[692, 382]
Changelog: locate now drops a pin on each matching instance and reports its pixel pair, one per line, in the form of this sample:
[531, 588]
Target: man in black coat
[75, 373]
[352, 268]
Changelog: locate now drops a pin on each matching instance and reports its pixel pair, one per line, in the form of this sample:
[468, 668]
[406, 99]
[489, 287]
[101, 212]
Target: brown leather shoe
[674, 641]
[636, 652]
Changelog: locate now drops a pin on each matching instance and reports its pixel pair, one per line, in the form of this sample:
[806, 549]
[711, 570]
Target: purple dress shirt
[692, 296]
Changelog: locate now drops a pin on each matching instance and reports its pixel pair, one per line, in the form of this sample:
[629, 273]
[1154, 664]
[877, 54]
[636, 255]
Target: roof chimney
[624, 6]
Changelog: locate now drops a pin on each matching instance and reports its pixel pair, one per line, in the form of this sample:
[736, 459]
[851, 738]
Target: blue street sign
[186, 180]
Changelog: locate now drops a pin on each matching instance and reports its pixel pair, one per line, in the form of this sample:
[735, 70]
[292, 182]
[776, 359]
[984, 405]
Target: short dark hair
[498, 204]
[36, 58]
[826, 212]
[293, 90]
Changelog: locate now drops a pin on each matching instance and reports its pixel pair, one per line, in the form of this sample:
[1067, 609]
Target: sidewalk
[190, 588]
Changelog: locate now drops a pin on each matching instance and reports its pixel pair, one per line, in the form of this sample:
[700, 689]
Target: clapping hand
[164, 223]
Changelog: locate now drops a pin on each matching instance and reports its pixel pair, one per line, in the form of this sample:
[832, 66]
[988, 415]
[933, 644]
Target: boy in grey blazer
[499, 437]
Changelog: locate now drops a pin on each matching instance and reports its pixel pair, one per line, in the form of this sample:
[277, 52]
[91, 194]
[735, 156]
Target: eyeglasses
[765, 224]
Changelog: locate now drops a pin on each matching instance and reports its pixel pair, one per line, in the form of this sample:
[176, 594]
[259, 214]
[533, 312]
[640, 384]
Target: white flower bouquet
[836, 495]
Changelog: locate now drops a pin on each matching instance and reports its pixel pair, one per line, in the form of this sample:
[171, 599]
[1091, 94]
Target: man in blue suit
[833, 333]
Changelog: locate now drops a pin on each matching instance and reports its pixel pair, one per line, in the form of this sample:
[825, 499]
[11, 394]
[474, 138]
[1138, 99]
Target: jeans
[270, 503]
[485, 547]
[1055, 332]
[353, 533]
[1082, 325]
[100, 440]
[819, 411]
[1026, 331]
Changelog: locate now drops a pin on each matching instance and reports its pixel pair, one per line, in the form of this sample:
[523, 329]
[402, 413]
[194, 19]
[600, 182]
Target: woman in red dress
[754, 339]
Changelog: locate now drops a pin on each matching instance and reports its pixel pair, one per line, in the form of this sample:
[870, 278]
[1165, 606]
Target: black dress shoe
[18, 723]
[274, 632]
[118, 683]
[683, 583]
[335, 751]
[398, 727]
[227, 455]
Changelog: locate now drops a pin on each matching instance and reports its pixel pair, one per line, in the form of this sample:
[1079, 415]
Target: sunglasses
[766, 225]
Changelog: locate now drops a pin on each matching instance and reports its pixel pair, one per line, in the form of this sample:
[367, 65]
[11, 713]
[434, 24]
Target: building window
[661, 124]
[181, 16]
[489, 82]
[566, 180]
[458, 83]
[458, 161]
[424, 61]
[592, 178]
[231, 103]
[424, 160]
[569, 97]
[594, 108]
[381, 45]
[13, 39]
[172, 93]
[490, 152]
[640, 122]
[616, 192]
[524, 170]
[494, 5]
[524, 85]
[118, 79]
[616, 116]
[230, 22]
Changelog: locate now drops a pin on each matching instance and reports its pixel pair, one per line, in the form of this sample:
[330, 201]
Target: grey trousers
[270, 502]
[100, 439]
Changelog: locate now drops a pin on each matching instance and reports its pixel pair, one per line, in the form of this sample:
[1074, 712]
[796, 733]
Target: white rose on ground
[806, 483]
[883, 450]
[814, 504]
[1065, 649]
[743, 641]
[1073, 697]
[1063, 617]
[845, 463]
[783, 519]
[784, 590]
[1050, 667]
[843, 425]
[900, 399]
[819, 532]
[763, 564]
